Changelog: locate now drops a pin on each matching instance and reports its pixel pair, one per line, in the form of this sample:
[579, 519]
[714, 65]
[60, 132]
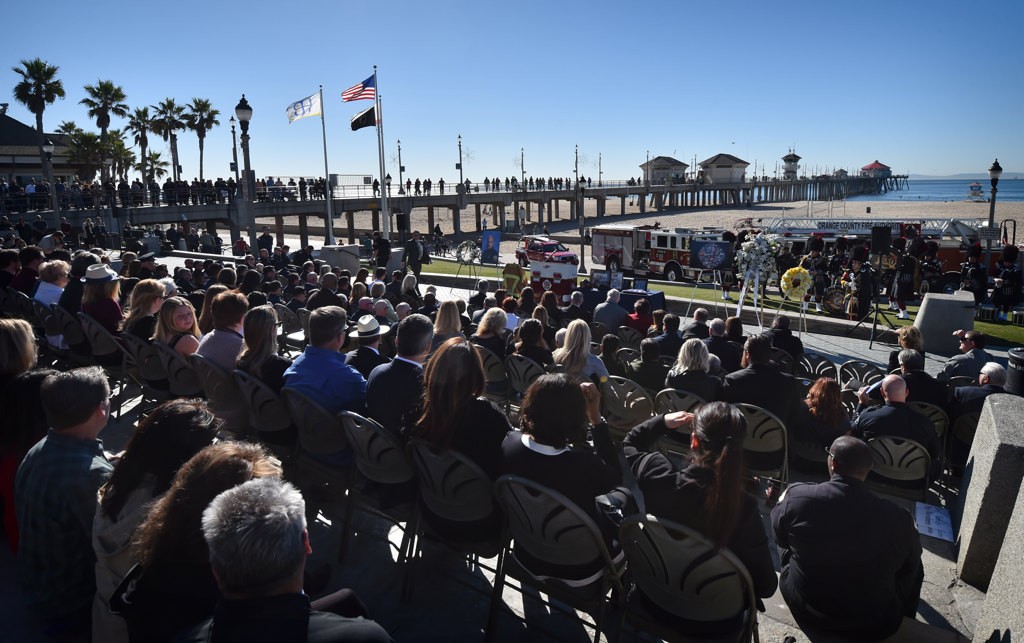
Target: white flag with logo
[308, 106]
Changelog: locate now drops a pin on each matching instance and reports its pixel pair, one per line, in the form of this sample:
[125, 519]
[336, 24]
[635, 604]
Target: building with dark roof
[724, 168]
[661, 170]
[19, 153]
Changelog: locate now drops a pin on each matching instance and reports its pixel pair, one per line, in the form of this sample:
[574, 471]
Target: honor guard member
[931, 268]
[973, 276]
[817, 266]
[839, 261]
[905, 280]
[859, 280]
[728, 274]
[1008, 281]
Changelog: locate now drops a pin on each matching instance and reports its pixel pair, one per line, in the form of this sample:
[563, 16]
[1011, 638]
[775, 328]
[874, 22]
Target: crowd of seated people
[417, 371]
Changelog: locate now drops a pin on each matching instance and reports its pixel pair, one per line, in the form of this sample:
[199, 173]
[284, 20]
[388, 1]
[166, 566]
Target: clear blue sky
[925, 87]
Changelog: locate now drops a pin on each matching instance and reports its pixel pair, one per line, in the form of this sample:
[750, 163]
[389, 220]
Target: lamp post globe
[244, 113]
[994, 173]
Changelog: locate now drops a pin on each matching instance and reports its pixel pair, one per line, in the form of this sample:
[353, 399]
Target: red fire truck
[648, 249]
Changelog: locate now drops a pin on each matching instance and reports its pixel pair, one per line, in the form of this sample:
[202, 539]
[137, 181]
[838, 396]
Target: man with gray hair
[476, 300]
[575, 309]
[610, 313]
[728, 354]
[698, 327]
[971, 399]
[258, 542]
[921, 387]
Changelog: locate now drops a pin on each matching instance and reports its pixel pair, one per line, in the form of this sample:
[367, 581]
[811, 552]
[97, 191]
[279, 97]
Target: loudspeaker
[881, 239]
[401, 222]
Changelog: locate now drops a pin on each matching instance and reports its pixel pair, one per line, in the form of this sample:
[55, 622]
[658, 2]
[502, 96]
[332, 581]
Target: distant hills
[969, 176]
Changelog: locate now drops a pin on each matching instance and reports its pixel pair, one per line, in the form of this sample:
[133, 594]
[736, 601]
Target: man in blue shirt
[55, 499]
[321, 373]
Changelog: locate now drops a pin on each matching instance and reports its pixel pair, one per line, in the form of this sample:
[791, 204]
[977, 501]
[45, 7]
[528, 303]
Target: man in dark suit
[327, 295]
[970, 399]
[648, 371]
[783, 337]
[670, 341]
[393, 390]
[476, 301]
[895, 419]
[762, 384]
[366, 357]
[921, 387]
[415, 254]
[728, 354]
[574, 310]
[699, 326]
[851, 561]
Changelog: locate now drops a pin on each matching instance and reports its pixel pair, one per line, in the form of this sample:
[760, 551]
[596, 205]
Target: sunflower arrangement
[467, 252]
[796, 283]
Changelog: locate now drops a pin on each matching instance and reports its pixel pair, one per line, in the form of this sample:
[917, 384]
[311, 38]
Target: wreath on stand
[467, 252]
[796, 283]
[758, 256]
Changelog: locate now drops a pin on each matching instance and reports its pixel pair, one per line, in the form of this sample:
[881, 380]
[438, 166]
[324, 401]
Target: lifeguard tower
[791, 166]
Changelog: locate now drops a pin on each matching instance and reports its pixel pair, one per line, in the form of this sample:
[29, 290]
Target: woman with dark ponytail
[708, 494]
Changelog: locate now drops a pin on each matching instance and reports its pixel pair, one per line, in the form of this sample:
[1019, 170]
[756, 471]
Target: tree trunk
[201, 159]
[40, 139]
[143, 144]
[174, 157]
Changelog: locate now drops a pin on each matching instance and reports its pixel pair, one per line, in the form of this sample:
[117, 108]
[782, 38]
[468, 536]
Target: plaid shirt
[55, 499]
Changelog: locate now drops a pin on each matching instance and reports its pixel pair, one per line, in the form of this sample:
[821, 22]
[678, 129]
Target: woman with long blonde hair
[143, 305]
[491, 332]
[447, 324]
[908, 337]
[575, 356]
[176, 326]
[259, 356]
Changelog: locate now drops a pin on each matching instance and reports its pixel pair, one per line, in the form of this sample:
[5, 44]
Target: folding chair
[813, 366]
[625, 404]
[629, 337]
[901, 467]
[784, 361]
[707, 592]
[110, 354]
[181, 377]
[382, 465]
[494, 373]
[222, 394]
[766, 447]
[859, 370]
[521, 372]
[548, 526]
[147, 369]
[268, 416]
[319, 435]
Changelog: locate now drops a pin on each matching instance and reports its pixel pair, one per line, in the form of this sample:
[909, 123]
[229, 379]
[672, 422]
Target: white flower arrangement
[758, 256]
[467, 252]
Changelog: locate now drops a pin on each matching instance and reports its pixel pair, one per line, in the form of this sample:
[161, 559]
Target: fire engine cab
[648, 249]
[559, 278]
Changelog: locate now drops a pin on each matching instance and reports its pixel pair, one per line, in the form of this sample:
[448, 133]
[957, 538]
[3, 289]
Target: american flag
[365, 90]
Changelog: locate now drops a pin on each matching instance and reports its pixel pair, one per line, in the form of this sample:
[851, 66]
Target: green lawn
[1003, 334]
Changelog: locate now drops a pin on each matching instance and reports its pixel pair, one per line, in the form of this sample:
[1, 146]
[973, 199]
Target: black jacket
[364, 359]
[848, 555]
[765, 386]
[785, 339]
[680, 494]
[705, 386]
[729, 354]
[898, 420]
[393, 393]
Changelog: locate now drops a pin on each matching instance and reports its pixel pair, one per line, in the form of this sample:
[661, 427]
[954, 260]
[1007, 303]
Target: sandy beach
[726, 218]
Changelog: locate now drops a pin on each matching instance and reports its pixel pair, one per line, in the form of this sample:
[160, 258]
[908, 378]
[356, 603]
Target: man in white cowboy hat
[393, 390]
[366, 357]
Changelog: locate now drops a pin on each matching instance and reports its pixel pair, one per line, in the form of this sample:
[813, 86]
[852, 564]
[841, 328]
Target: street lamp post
[522, 164]
[994, 173]
[387, 183]
[234, 152]
[647, 169]
[401, 168]
[600, 173]
[48, 150]
[459, 165]
[579, 211]
[244, 113]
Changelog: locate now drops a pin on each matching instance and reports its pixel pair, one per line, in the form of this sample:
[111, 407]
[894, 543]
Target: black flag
[365, 118]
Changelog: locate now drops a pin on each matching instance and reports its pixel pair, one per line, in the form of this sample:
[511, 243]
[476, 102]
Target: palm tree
[169, 118]
[67, 128]
[104, 99]
[202, 118]
[157, 166]
[122, 155]
[38, 87]
[86, 150]
[140, 124]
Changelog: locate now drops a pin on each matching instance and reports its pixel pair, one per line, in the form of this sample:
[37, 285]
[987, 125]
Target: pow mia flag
[365, 118]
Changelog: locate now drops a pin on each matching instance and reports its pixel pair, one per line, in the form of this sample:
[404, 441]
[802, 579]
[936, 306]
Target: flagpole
[385, 225]
[329, 224]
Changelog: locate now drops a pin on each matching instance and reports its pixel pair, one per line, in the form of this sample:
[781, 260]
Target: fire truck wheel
[613, 265]
[673, 272]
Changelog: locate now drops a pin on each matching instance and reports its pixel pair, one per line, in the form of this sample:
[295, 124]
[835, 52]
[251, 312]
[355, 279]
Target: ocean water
[944, 190]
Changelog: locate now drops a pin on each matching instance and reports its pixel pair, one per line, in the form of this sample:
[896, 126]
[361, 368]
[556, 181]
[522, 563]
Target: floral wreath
[467, 252]
[758, 256]
[796, 283]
